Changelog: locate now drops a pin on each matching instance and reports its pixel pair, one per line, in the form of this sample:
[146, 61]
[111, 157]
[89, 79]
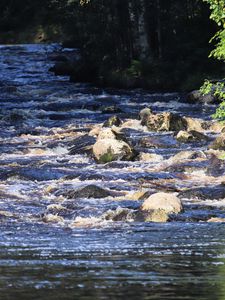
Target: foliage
[160, 45]
[217, 88]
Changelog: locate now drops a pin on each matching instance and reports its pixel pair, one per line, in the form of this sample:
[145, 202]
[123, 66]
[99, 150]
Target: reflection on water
[40, 115]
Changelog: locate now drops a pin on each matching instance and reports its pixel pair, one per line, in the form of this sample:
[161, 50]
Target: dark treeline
[158, 44]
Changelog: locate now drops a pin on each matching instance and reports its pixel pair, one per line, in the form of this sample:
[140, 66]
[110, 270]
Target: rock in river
[191, 136]
[82, 144]
[89, 191]
[206, 192]
[159, 206]
[108, 150]
[165, 121]
[218, 143]
[164, 201]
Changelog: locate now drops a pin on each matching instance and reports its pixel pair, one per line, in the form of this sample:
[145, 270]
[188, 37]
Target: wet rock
[197, 97]
[196, 124]
[114, 120]
[191, 136]
[82, 144]
[95, 131]
[165, 122]
[133, 124]
[218, 143]
[186, 155]
[106, 133]
[184, 137]
[162, 201]
[203, 193]
[89, 191]
[217, 127]
[150, 157]
[216, 220]
[55, 209]
[108, 150]
[49, 218]
[120, 214]
[144, 114]
[139, 195]
[216, 167]
[157, 216]
[158, 142]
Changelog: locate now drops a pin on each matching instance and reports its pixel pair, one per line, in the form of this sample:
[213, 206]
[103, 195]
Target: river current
[79, 254]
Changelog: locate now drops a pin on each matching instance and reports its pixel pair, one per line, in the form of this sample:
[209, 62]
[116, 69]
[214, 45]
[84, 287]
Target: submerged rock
[216, 167]
[203, 193]
[82, 144]
[108, 150]
[89, 191]
[158, 142]
[165, 122]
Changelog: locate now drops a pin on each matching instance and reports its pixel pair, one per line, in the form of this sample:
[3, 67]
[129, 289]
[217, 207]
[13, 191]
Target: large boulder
[218, 143]
[162, 201]
[107, 150]
[165, 122]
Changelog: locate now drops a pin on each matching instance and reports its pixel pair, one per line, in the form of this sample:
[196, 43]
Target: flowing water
[52, 247]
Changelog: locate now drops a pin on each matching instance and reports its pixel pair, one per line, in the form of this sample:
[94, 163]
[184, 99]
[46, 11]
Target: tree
[217, 87]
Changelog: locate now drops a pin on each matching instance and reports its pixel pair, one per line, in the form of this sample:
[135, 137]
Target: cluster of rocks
[111, 141]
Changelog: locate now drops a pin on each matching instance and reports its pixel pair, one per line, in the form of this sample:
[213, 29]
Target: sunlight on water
[53, 246]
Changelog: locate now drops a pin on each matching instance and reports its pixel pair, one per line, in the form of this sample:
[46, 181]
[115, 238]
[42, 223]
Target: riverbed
[52, 247]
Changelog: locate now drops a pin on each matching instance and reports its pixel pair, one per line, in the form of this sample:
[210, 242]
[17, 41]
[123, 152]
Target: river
[82, 256]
